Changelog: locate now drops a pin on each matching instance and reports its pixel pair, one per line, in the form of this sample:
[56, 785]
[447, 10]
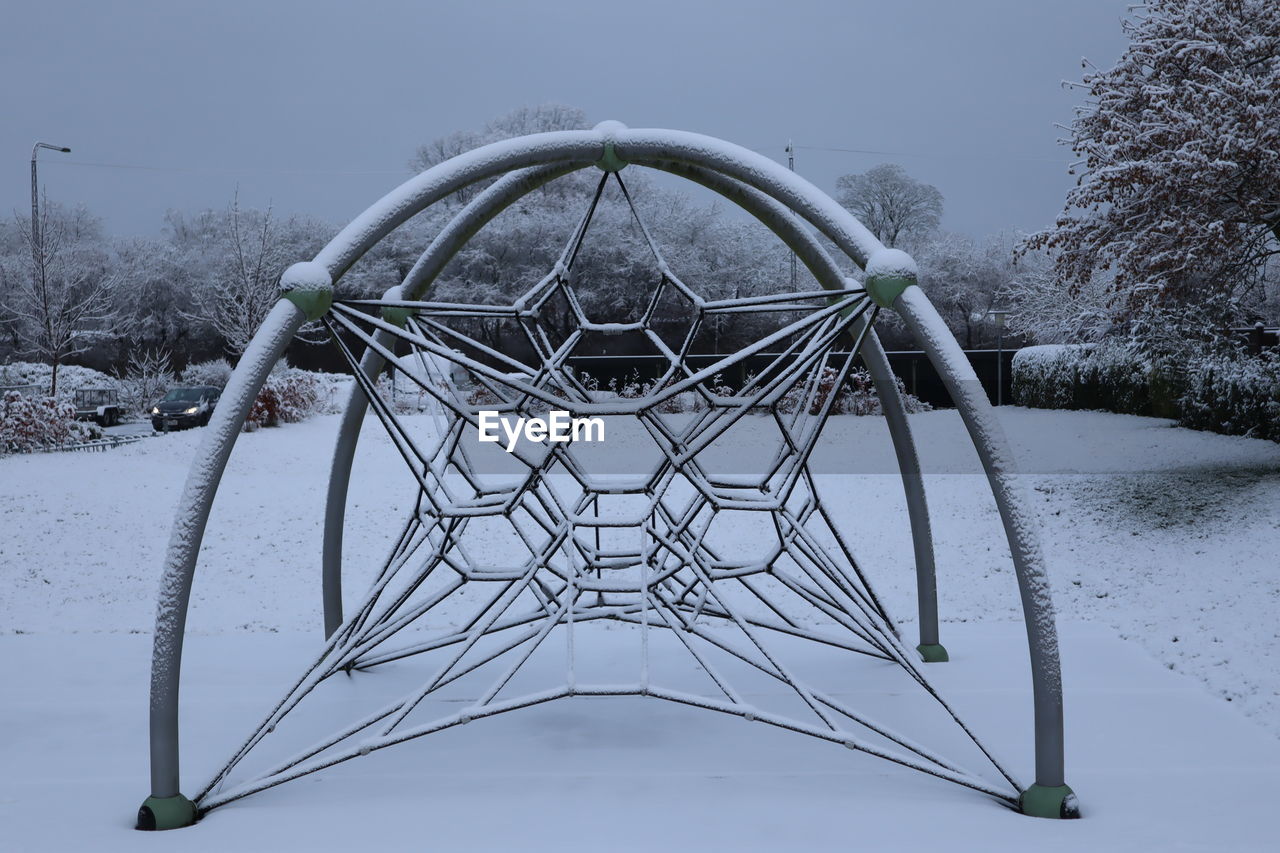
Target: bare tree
[147, 376]
[61, 297]
[891, 203]
[245, 252]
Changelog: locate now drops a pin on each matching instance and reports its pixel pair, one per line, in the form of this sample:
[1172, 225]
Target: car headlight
[155, 410]
[192, 410]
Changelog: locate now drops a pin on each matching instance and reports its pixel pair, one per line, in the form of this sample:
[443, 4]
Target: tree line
[1169, 236]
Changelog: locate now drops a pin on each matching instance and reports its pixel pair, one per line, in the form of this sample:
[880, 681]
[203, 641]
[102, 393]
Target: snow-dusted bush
[289, 395]
[144, 380]
[213, 373]
[71, 377]
[1087, 376]
[1235, 396]
[31, 423]
[1232, 393]
[1112, 378]
[1045, 377]
[857, 396]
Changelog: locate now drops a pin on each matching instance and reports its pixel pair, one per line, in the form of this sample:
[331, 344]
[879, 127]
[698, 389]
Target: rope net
[693, 559]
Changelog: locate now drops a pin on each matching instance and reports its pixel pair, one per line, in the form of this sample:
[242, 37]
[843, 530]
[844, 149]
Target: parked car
[98, 404]
[184, 407]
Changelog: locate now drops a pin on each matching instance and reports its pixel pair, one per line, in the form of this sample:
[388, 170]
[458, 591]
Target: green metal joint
[309, 286]
[166, 813]
[610, 161]
[1043, 801]
[883, 289]
[933, 653]
[314, 303]
[396, 315]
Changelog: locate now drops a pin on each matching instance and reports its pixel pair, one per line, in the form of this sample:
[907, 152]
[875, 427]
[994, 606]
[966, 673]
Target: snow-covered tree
[542, 118]
[962, 277]
[60, 293]
[236, 258]
[891, 203]
[1179, 190]
[1047, 311]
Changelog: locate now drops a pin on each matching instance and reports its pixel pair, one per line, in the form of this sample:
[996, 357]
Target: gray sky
[317, 106]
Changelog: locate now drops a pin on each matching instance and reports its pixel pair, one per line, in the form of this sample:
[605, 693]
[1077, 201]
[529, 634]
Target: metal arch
[583, 147]
[188, 530]
[837, 224]
[566, 147]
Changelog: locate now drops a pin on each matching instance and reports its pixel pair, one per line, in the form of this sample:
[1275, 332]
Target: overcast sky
[316, 107]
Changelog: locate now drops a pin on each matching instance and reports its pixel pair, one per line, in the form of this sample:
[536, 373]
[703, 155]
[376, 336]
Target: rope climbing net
[493, 562]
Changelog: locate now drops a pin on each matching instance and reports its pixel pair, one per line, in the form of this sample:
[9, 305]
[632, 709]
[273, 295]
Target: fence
[911, 366]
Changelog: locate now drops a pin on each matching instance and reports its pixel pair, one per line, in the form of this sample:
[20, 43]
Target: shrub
[289, 395]
[1087, 376]
[32, 423]
[856, 397]
[1045, 377]
[1235, 396]
[214, 373]
[1228, 393]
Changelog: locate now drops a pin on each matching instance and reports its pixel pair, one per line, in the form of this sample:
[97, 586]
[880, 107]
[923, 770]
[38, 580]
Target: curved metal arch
[392, 210]
[645, 147]
[584, 147]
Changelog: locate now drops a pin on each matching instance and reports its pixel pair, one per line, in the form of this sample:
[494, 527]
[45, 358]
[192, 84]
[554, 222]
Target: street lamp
[35, 198]
[998, 315]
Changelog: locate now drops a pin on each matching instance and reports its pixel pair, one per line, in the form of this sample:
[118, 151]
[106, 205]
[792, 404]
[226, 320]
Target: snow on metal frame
[584, 147]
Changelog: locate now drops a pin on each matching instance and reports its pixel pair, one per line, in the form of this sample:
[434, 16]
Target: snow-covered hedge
[1088, 376]
[31, 423]
[1235, 396]
[1232, 395]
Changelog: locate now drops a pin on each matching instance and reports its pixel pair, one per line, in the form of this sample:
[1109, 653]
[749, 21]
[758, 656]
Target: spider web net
[501, 573]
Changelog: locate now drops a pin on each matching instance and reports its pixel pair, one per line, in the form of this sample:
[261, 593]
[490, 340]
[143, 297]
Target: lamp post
[35, 199]
[998, 314]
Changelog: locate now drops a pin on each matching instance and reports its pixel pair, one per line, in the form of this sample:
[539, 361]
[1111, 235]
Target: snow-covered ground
[1161, 537]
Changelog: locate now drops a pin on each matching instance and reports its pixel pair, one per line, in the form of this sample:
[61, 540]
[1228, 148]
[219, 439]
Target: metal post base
[1043, 801]
[166, 813]
[932, 653]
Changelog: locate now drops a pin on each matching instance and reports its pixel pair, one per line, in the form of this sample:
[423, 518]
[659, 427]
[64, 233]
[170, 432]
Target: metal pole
[36, 252]
[1000, 365]
[791, 164]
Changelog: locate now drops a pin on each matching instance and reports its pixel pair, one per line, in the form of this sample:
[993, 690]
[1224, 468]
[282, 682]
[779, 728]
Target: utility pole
[35, 201]
[791, 164]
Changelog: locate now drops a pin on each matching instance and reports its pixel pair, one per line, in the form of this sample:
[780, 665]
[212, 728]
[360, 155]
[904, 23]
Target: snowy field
[1161, 543]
